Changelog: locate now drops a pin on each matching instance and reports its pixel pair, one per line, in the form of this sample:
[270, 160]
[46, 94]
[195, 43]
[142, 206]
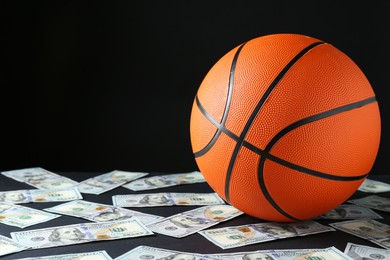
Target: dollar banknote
[28, 196]
[97, 255]
[21, 216]
[373, 186]
[373, 202]
[40, 178]
[237, 236]
[167, 199]
[330, 253]
[192, 221]
[80, 233]
[350, 212]
[108, 181]
[147, 252]
[168, 180]
[98, 212]
[372, 230]
[8, 246]
[360, 252]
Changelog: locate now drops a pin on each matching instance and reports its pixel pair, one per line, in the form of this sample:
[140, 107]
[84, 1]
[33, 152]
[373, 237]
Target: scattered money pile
[366, 252]
[108, 181]
[21, 216]
[110, 222]
[373, 202]
[80, 233]
[9, 246]
[40, 178]
[190, 222]
[161, 181]
[97, 212]
[231, 237]
[97, 255]
[347, 211]
[331, 253]
[372, 230]
[146, 252]
[166, 199]
[372, 186]
[29, 196]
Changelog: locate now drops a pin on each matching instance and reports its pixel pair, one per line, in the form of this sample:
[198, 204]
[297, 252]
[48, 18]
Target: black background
[97, 86]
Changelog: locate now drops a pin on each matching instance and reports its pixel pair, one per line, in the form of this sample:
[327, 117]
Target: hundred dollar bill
[330, 253]
[166, 199]
[372, 230]
[40, 178]
[28, 196]
[8, 246]
[360, 252]
[350, 212]
[80, 233]
[192, 221]
[108, 181]
[147, 252]
[373, 202]
[21, 216]
[168, 180]
[374, 186]
[237, 236]
[98, 212]
[97, 255]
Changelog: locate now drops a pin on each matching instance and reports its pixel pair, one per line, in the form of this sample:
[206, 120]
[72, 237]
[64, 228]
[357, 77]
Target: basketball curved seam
[227, 106]
[289, 128]
[313, 118]
[276, 159]
[266, 155]
[256, 110]
[219, 126]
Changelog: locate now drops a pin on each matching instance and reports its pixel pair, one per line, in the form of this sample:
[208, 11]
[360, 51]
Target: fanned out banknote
[80, 233]
[28, 196]
[8, 246]
[373, 202]
[108, 181]
[369, 229]
[96, 255]
[40, 178]
[373, 186]
[168, 180]
[98, 212]
[237, 236]
[21, 216]
[147, 252]
[330, 253]
[167, 199]
[192, 221]
[346, 211]
[360, 252]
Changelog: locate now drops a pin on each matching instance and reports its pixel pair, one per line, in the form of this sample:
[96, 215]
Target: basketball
[285, 127]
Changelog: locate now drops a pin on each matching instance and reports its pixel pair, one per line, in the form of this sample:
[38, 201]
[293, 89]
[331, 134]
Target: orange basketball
[285, 127]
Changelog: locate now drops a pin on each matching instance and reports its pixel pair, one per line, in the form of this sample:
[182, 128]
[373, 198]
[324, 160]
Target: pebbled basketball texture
[285, 127]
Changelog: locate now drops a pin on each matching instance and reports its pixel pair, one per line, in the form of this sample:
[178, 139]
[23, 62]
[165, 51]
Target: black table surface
[193, 243]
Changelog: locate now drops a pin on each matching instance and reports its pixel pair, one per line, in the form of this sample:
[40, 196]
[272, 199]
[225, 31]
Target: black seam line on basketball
[227, 106]
[310, 119]
[215, 123]
[298, 167]
[258, 107]
[272, 157]
[293, 126]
